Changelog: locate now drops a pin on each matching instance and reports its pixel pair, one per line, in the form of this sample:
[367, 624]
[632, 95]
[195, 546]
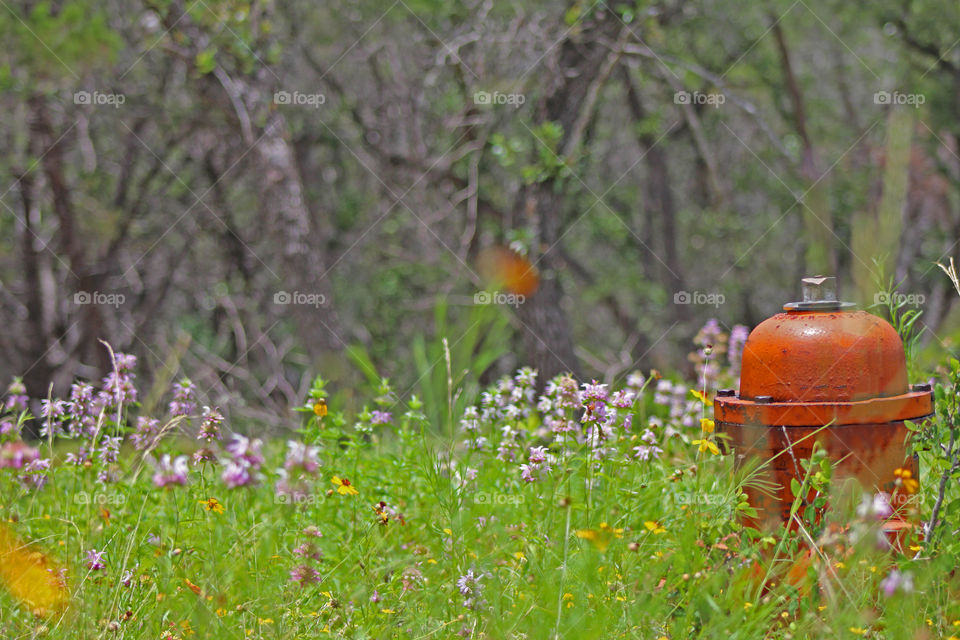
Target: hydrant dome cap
[823, 356]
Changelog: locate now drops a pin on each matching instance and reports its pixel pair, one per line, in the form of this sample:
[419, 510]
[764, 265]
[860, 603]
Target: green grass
[616, 548]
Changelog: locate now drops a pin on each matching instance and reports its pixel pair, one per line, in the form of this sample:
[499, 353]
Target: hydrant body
[821, 372]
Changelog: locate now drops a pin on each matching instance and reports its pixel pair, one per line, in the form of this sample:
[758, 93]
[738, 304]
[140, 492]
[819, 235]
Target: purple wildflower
[897, 581]
[14, 455]
[304, 574]
[109, 449]
[301, 456]
[171, 471]
[210, 427]
[95, 561]
[17, 396]
[470, 588]
[184, 401]
[243, 448]
[738, 338]
[308, 550]
[35, 473]
[146, 433]
[238, 474]
[876, 507]
[380, 417]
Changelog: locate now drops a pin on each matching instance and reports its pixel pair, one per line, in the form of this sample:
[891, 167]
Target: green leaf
[206, 61]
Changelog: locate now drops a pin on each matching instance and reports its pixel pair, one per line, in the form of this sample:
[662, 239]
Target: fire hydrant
[823, 372]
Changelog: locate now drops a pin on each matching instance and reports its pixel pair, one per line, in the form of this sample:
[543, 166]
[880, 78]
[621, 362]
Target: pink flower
[237, 474]
[304, 574]
[171, 471]
[14, 455]
[301, 456]
[95, 561]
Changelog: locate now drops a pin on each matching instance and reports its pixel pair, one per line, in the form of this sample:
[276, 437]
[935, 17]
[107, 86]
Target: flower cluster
[242, 465]
[299, 466]
[308, 558]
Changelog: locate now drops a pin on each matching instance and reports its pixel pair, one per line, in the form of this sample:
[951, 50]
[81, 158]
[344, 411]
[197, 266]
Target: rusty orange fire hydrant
[820, 365]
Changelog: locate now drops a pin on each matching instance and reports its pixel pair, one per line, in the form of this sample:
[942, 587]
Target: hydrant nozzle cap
[819, 289]
[819, 294]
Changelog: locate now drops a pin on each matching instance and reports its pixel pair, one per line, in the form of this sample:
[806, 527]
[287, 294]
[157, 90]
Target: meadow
[586, 511]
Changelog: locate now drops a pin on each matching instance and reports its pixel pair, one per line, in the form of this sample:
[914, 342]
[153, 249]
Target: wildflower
[14, 455]
[876, 506]
[304, 574]
[594, 391]
[237, 473]
[602, 537]
[203, 455]
[212, 504]
[312, 531]
[385, 512]
[35, 473]
[897, 581]
[707, 425]
[17, 396]
[95, 561]
[654, 527]
[118, 385]
[344, 487]
[320, 408]
[635, 381]
[146, 433]
[699, 395]
[470, 588]
[109, 449]
[623, 399]
[645, 453]
[126, 578]
[170, 471]
[380, 417]
[210, 426]
[707, 445]
[663, 392]
[738, 338]
[184, 401]
[375, 597]
[904, 478]
[308, 550]
[52, 409]
[245, 449]
[301, 456]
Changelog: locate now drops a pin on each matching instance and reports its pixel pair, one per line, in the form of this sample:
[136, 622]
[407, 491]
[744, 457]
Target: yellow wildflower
[212, 504]
[707, 445]
[344, 487]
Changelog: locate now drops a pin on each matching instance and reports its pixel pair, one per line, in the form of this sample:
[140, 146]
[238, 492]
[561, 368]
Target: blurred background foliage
[194, 159]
